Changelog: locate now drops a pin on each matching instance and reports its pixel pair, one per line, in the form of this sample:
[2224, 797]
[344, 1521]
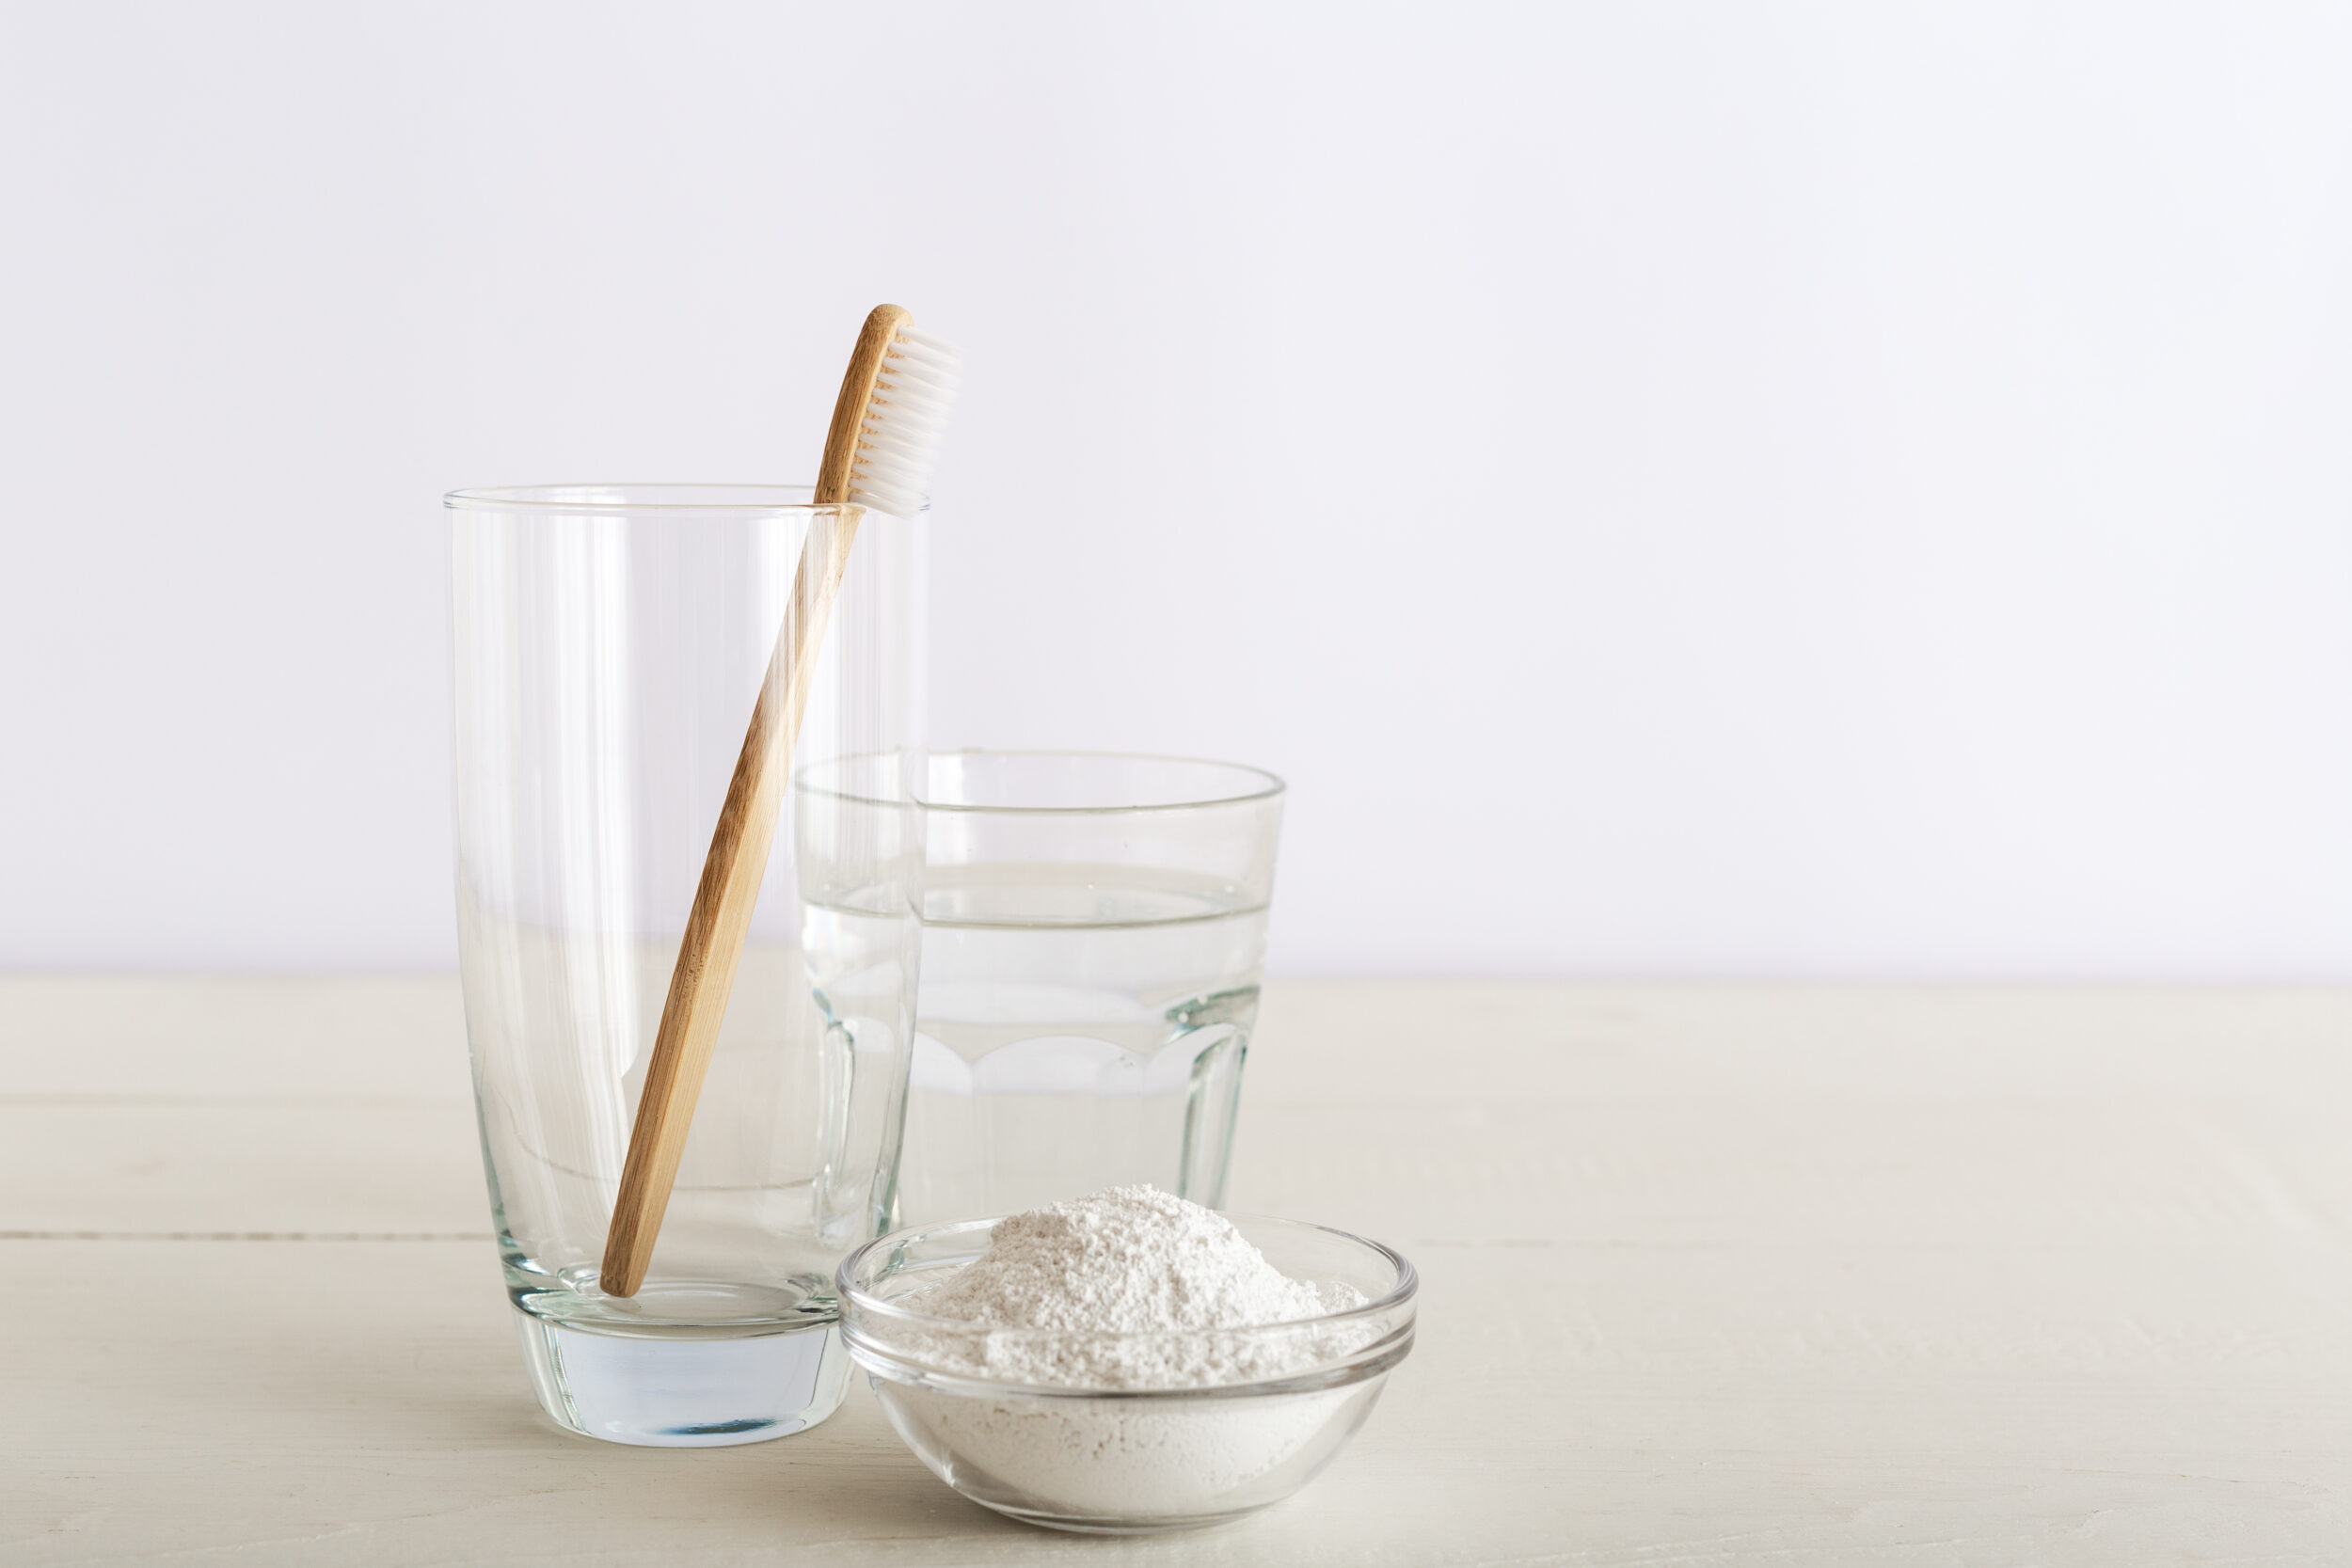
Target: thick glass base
[685, 1392]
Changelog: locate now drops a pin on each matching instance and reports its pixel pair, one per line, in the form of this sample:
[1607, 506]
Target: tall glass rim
[637, 497]
[1268, 786]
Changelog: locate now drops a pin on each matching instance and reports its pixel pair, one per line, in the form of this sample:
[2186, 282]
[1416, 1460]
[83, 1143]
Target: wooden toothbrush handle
[706, 959]
[834, 473]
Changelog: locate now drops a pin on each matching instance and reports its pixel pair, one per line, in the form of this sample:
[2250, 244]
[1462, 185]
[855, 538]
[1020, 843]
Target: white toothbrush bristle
[905, 420]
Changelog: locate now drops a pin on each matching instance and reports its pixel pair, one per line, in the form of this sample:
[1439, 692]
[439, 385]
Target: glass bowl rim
[1375, 1356]
[1407, 1286]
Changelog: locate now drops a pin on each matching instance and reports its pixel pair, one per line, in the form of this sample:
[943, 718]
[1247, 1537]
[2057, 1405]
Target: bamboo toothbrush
[885, 431]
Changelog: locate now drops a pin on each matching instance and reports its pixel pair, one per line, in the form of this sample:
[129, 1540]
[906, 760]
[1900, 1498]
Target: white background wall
[1822, 490]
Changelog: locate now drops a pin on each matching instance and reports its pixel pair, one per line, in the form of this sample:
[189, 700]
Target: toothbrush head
[888, 423]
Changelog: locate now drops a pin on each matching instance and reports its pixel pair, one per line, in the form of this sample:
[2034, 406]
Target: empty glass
[1093, 932]
[610, 640]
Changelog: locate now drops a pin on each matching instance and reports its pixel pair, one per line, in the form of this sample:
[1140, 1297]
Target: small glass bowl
[1102, 1453]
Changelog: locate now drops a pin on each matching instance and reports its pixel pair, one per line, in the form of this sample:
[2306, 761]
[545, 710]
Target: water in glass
[1078, 1026]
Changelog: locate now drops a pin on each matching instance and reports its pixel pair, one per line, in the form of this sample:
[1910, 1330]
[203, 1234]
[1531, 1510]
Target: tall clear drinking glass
[610, 640]
[1093, 932]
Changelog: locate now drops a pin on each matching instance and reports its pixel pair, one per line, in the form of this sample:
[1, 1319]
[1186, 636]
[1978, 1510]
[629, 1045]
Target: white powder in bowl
[1129, 1262]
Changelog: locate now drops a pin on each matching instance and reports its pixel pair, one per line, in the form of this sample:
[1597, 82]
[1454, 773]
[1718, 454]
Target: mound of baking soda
[1132, 1260]
[1133, 1290]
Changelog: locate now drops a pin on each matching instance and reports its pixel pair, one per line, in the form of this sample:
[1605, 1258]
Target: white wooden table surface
[1713, 1276]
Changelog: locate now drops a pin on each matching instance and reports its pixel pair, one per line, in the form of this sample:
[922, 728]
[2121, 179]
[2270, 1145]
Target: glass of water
[1093, 932]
